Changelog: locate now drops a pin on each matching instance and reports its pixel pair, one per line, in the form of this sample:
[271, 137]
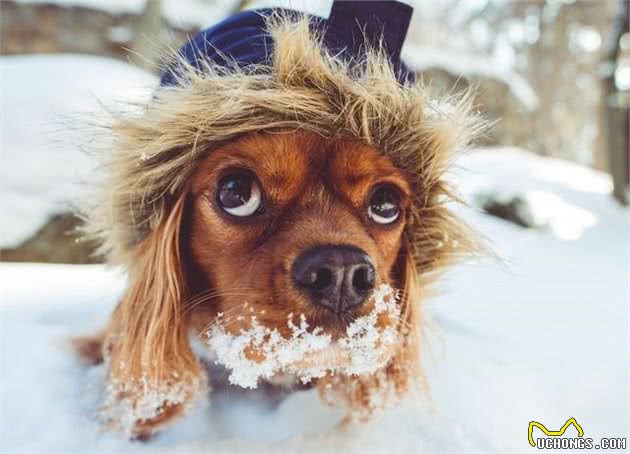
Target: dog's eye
[384, 205]
[240, 195]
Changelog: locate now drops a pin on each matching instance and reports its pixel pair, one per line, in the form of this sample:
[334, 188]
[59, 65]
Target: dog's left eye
[239, 194]
[384, 205]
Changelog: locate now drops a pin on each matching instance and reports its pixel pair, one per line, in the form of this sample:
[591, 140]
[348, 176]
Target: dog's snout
[336, 277]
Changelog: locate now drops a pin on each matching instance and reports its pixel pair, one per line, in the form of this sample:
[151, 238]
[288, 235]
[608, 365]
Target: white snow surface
[47, 113]
[541, 334]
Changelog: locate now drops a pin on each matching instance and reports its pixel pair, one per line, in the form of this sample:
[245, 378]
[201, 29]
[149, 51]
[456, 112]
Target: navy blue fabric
[242, 39]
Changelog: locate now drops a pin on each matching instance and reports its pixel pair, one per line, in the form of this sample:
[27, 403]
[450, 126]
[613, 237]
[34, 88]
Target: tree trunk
[617, 117]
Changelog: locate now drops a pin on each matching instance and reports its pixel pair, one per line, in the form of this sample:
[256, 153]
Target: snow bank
[551, 193]
[45, 121]
[541, 335]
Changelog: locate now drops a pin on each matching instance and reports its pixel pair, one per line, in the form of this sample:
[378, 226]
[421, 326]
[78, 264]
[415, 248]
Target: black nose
[335, 277]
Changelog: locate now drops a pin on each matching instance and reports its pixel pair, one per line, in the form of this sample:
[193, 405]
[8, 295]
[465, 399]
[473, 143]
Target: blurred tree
[555, 45]
[145, 48]
[617, 105]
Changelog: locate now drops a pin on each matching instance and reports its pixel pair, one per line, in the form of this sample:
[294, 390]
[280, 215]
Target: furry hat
[303, 85]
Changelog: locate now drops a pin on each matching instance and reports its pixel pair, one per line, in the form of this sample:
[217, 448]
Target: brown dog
[295, 193]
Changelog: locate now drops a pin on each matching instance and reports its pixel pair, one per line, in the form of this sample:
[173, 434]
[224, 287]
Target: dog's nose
[336, 277]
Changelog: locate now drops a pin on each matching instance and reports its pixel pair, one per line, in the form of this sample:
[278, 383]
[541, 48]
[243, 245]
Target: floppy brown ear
[364, 395]
[153, 373]
[404, 370]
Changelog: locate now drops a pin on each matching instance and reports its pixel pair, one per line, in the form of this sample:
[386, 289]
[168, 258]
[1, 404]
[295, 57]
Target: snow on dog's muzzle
[260, 352]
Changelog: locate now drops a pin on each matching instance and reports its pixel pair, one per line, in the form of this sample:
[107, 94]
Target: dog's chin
[336, 359]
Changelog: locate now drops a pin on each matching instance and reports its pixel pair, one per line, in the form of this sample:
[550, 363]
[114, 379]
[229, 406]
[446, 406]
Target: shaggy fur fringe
[304, 87]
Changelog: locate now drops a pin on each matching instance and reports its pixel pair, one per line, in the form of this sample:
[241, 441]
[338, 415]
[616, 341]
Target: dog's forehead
[290, 160]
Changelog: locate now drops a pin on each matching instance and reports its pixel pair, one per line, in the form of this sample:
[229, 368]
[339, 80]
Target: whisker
[222, 292]
[212, 293]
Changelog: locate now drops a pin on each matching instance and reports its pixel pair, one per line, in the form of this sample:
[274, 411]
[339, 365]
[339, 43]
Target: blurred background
[553, 74]
[540, 334]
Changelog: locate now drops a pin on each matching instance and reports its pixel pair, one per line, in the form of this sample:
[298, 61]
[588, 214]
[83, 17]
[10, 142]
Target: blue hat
[244, 40]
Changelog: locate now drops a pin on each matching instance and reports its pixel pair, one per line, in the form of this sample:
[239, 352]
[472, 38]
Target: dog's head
[296, 189]
[291, 223]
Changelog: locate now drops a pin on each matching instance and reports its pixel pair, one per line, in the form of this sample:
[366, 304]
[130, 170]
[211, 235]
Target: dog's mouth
[335, 324]
[352, 345]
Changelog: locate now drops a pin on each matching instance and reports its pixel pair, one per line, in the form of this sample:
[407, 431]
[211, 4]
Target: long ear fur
[364, 395]
[404, 370]
[153, 373]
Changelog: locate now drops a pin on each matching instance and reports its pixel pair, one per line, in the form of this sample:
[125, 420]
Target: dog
[275, 201]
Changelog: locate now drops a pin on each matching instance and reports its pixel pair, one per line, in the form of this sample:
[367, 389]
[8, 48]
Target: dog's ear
[404, 369]
[153, 372]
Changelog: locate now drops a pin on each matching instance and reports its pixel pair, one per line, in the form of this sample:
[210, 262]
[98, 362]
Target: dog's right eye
[384, 205]
[239, 194]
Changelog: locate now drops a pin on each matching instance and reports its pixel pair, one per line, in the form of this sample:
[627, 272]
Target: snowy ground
[542, 334]
[47, 106]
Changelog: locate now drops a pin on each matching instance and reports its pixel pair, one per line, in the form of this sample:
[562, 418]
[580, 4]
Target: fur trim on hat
[303, 87]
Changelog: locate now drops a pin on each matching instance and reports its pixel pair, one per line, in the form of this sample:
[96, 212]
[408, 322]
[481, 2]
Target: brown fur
[318, 189]
[319, 133]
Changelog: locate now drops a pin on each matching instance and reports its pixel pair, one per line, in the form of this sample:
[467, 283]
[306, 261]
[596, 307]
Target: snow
[308, 353]
[544, 210]
[44, 122]
[560, 209]
[120, 411]
[541, 334]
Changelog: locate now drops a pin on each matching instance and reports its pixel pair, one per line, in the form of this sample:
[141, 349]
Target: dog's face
[290, 223]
